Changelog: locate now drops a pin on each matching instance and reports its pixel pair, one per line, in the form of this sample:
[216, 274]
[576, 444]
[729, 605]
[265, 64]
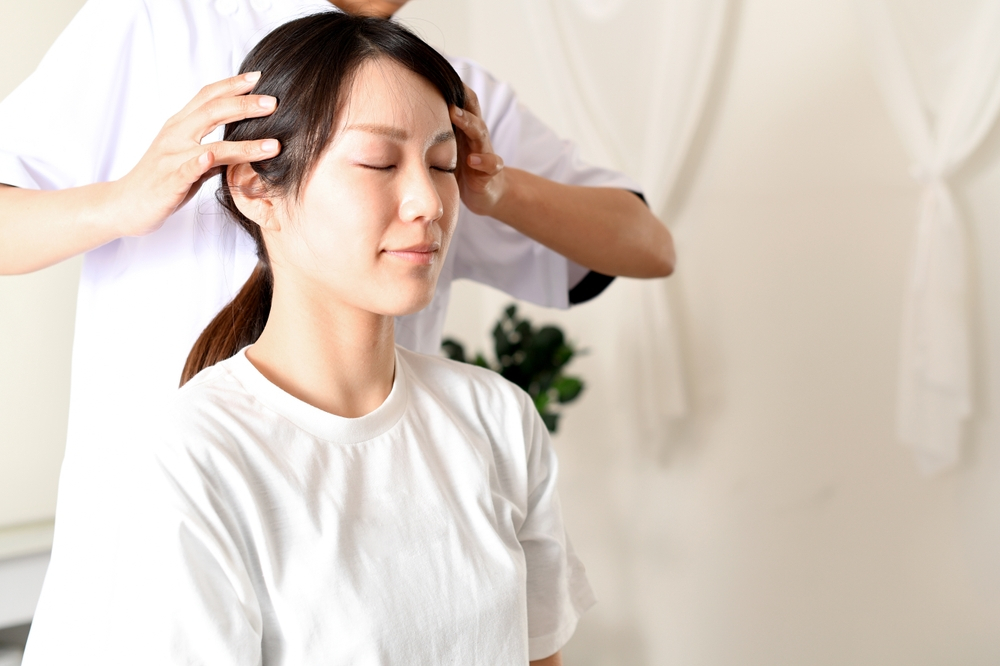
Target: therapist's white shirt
[91, 110]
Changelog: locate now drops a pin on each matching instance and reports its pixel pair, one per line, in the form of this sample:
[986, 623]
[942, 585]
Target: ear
[250, 197]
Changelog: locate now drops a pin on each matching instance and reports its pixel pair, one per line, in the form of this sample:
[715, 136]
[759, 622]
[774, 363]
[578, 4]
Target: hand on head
[177, 163]
[481, 177]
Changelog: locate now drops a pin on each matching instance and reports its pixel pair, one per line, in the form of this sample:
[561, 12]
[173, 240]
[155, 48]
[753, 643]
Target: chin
[414, 307]
[408, 303]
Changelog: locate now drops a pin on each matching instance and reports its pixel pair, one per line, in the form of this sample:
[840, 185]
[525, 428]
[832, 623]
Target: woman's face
[372, 224]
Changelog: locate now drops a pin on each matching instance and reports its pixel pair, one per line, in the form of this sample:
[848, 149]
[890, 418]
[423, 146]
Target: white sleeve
[161, 580]
[189, 595]
[558, 592]
[182, 592]
[58, 129]
[489, 251]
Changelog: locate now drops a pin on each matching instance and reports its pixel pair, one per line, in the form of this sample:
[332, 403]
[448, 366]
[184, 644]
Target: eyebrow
[399, 134]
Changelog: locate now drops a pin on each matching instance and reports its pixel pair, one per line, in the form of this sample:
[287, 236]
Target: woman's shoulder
[208, 412]
[447, 370]
[216, 383]
[477, 405]
[466, 384]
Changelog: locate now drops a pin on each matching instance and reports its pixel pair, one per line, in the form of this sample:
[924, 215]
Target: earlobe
[250, 196]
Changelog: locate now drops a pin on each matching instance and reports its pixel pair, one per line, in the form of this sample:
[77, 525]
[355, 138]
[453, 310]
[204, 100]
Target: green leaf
[501, 342]
[453, 349]
[544, 380]
[568, 388]
[548, 340]
[551, 421]
[562, 356]
[530, 358]
[523, 332]
[514, 374]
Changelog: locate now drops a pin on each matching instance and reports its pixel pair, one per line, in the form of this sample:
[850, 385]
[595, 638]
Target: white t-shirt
[265, 530]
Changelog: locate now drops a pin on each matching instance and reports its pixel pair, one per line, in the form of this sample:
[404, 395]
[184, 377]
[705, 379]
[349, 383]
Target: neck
[380, 8]
[330, 355]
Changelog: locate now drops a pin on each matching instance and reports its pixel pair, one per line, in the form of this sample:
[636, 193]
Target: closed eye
[377, 167]
[446, 169]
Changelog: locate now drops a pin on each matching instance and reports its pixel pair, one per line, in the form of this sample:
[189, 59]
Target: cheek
[340, 222]
[450, 201]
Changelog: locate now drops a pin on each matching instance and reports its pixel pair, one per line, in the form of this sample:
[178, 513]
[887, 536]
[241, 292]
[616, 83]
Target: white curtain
[584, 46]
[941, 119]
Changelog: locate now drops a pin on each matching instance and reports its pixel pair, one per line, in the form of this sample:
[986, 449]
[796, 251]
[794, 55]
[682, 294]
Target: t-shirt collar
[315, 421]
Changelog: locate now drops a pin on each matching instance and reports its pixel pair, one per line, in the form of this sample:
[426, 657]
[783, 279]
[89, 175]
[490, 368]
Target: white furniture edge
[24, 557]
[28, 539]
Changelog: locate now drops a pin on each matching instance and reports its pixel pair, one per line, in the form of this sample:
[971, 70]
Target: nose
[421, 201]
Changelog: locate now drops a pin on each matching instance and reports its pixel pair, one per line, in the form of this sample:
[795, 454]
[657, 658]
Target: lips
[416, 254]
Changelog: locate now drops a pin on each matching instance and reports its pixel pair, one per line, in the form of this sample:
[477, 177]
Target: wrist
[106, 215]
[514, 195]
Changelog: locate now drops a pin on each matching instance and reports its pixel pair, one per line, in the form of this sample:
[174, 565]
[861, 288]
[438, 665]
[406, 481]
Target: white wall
[36, 314]
[784, 525]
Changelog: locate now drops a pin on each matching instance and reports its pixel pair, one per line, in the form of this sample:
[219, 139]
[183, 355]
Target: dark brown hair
[307, 65]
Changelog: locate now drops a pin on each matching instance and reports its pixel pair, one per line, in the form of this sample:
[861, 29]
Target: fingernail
[475, 160]
[269, 146]
[267, 102]
[251, 77]
[459, 111]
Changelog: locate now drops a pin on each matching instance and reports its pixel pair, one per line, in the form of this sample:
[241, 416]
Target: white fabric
[89, 112]
[935, 394]
[268, 531]
[583, 47]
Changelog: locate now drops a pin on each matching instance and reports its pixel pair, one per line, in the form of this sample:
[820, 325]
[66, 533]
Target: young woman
[108, 146]
[317, 494]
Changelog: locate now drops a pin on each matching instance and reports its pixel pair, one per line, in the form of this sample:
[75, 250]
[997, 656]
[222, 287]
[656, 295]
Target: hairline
[398, 133]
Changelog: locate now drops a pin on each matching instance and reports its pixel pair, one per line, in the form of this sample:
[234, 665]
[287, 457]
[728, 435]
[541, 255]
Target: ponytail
[239, 324]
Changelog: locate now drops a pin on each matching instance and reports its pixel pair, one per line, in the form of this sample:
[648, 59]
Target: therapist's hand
[605, 229]
[177, 164]
[482, 181]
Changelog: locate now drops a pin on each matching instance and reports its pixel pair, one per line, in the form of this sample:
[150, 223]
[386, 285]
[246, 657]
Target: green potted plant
[533, 359]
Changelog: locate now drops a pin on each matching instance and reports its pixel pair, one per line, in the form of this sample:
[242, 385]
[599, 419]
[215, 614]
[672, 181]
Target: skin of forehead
[394, 79]
[382, 8]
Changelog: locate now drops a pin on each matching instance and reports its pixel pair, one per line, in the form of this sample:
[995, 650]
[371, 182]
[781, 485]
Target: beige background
[36, 313]
[784, 524]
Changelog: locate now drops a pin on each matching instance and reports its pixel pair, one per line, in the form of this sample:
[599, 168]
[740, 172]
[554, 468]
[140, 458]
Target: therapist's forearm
[607, 230]
[41, 228]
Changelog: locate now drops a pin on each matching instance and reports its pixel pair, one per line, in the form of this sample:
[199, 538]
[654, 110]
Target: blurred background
[733, 476]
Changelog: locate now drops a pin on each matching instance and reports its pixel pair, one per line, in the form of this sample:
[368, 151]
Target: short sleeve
[61, 127]
[489, 251]
[182, 593]
[558, 592]
[165, 583]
